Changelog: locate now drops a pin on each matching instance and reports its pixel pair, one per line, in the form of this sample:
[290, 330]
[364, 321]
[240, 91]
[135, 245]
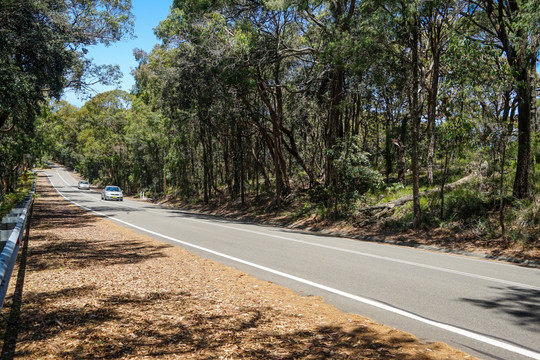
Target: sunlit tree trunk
[415, 119]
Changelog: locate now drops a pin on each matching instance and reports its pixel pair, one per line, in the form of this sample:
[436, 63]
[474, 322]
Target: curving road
[485, 308]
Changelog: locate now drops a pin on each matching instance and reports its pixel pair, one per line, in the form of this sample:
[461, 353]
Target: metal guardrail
[12, 228]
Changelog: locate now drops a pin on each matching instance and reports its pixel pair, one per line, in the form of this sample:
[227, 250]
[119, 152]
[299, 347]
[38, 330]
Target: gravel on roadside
[87, 288]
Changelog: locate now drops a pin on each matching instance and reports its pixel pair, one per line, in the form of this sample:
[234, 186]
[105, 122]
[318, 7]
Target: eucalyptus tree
[439, 21]
[167, 85]
[192, 85]
[412, 21]
[384, 62]
[13, 150]
[401, 23]
[334, 21]
[513, 27]
[147, 143]
[42, 51]
[32, 59]
[59, 122]
[101, 141]
[255, 47]
[43, 47]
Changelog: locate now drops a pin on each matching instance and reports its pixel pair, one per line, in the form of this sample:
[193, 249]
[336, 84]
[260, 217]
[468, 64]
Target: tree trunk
[521, 181]
[226, 163]
[408, 198]
[443, 179]
[534, 121]
[164, 171]
[432, 110]
[204, 163]
[259, 164]
[415, 117]
[377, 142]
[522, 59]
[402, 146]
[276, 141]
[293, 150]
[333, 124]
[241, 163]
[388, 148]
[237, 153]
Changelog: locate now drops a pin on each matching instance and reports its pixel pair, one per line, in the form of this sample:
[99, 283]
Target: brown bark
[415, 117]
[205, 165]
[334, 128]
[293, 150]
[402, 146]
[388, 148]
[506, 129]
[276, 139]
[521, 181]
[432, 106]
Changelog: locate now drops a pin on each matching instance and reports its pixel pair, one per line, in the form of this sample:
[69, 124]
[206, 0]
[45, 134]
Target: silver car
[112, 193]
[83, 185]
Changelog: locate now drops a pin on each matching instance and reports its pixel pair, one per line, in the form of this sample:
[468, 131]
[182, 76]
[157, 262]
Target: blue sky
[147, 14]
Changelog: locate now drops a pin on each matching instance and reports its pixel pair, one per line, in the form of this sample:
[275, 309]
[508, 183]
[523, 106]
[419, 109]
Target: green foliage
[113, 138]
[354, 176]
[42, 49]
[10, 200]
[42, 52]
[466, 205]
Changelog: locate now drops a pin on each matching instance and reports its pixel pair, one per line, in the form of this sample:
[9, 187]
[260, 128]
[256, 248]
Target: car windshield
[112, 188]
[83, 182]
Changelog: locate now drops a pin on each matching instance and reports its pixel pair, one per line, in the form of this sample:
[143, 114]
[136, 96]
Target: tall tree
[438, 20]
[514, 28]
[334, 20]
[414, 107]
[42, 50]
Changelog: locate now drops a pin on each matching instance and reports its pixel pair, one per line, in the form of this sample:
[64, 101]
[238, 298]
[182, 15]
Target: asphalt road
[485, 308]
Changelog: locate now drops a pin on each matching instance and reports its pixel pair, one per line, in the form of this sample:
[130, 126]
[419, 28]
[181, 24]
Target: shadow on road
[523, 305]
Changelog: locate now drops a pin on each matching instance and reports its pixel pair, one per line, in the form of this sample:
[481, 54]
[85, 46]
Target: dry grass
[94, 290]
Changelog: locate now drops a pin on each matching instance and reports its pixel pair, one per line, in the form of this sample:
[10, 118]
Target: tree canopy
[43, 46]
[42, 50]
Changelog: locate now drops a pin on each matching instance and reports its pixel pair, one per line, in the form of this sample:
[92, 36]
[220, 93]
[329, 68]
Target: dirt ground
[86, 288]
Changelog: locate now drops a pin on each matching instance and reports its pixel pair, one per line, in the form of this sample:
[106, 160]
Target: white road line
[355, 252]
[374, 303]
[380, 257]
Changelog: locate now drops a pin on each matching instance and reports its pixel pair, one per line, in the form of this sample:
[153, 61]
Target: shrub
[9, 201]
[353, 174]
